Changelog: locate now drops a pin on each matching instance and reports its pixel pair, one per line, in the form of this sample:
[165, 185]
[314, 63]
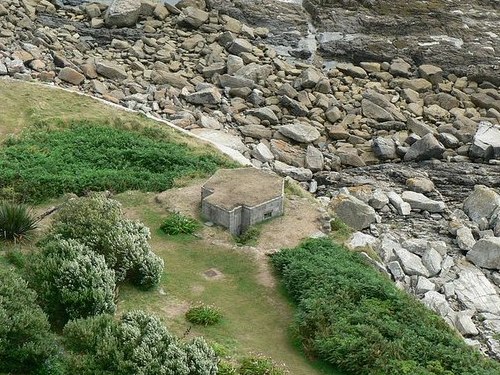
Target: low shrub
[179, 224]
[52, 159]
[16, 221]
[226, 368]
[249, 237]
[260, 366]
[203, 315]
[351, 316]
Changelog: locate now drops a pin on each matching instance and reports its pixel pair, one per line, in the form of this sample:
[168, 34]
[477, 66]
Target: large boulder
[486, 253]
[208, 95]
[193, 17]
[411, 263]
[111, 70]
[475, 291]
[486, 142]
[481, 203]
[300, 132]
[420, 201]
[426, 148]
[123, 13]
[353, 211]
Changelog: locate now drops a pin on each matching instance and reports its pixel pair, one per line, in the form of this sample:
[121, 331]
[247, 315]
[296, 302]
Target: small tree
[25, 340]
[72, 281]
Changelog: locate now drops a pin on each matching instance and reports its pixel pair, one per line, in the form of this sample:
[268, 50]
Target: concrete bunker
[239, 198]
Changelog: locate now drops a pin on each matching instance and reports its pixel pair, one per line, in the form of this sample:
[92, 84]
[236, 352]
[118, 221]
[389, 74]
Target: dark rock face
[455, 35]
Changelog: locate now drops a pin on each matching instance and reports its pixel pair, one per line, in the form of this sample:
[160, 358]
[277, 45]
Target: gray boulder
[384, 148]
[374, 111]
[411, 263]
[297, 173]
[111, 70]
[486, 253]
[352, 211]
[486, 142]
[432, 261]
[162, 77]
[420, 201]
[481, 203]
[300, 132]
[70, 75]
[426, 148]
[209, 95]
[475, 291]
[123, 13]
[314, 159]
[465, 239]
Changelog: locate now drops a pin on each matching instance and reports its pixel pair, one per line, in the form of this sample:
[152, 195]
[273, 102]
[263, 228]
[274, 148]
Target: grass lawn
[256, 316]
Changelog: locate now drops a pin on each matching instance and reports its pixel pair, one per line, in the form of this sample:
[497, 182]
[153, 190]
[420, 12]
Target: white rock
[437, 302]
[362, 240]
[401, 206]
[411, 263]
[424, 285]
[432, 261]
[464, 324]
[475, 291]
[420, 201]
[396, 270]
[486, 253]
[465, 239]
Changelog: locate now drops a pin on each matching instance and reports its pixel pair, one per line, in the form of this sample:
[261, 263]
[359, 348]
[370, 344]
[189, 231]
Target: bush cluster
[259, 365]
[179, 224]
[98, 223]
[136, 344]
[203, 315]
[353, 317]
[82, 156]
[71, 280]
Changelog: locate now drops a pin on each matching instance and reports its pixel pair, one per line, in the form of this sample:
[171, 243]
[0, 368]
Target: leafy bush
[249, 237]
[98, 223]
[137, 344]
[356, 319]
[203, 315]
[81, 156]
[25, 340]
[179, 224]
[16, 221]
[72, 281]
[260, 366]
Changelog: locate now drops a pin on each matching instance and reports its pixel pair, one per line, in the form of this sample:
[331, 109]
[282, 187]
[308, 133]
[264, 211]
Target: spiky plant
[16, 221]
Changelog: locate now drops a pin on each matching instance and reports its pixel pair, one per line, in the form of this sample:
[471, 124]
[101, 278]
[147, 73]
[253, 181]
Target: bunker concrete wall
[235, 221]
[258, 213]
[216, 214]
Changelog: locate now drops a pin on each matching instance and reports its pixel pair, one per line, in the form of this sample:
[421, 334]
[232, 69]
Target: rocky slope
[437, 134]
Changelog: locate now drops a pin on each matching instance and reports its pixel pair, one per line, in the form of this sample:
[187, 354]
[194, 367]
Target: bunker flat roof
[242, 187]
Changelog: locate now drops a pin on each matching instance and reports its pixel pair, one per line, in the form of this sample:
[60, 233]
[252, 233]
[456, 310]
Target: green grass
[256, 317]
[81, 156]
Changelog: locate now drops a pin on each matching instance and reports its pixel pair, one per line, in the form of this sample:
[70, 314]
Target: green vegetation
[71, 281]
[98, 223]
[260, 366]
[25, 341]
[356, 319]
[80, 156]
[136, 344]
[179, 224]
[203, 315]
[250, 236]
[16, 221]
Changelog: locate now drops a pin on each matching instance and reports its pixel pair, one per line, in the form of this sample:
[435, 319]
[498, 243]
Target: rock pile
[431, 241]
[207, 71]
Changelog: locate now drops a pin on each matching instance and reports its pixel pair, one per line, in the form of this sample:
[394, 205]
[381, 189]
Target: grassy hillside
[60, 138]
